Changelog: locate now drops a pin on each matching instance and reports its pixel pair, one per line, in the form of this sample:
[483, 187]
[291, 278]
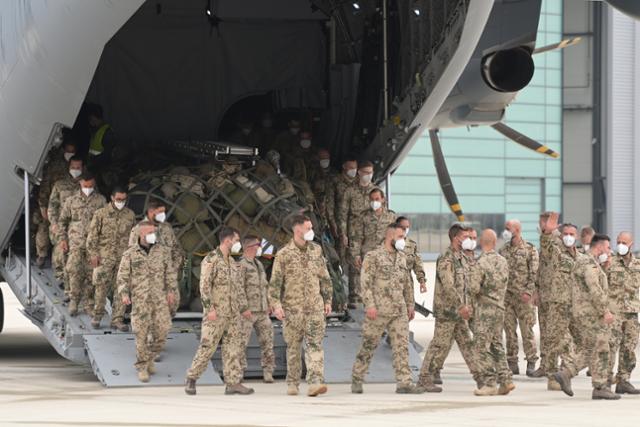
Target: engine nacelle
[508, 70]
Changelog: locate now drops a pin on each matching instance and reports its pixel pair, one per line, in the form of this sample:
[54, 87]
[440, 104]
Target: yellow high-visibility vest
[95, 146]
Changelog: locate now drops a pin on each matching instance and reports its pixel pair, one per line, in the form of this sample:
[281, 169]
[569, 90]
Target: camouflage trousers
[104, 283]
[397, 328]
[490, 357]
[261, 323]
[517, 313]
[542, 324]
[354, 280]
[447, 331]
[151, 324]
[225, 330]
[591, 339]
[558, 342]
[309, 327]
[624, 339]
[42, 234]
[59, 262]
[79, 273]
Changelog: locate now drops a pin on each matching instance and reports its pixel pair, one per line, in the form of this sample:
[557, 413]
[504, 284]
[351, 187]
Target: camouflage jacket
[368, 231]
[450, 286]
[300, 281]
[76, 216]
[414, 260]
[221, 285]
[146, 277]
[61, 191]
[385, 282]
[488, 279]
[523, 266]
[55, 169]
[256, 286]
[166, 237]
[335, 194]
[624, 281]
[589, 292]
[560, 261]
[109, 232]
[323, 182]
[353, 204]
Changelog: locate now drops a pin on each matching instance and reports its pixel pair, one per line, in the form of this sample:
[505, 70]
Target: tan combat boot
[623, 387]
[563, 378]
[238, 389]
[409, 389]
[604, 393]
[486, 391]
[356, 387]
[143, 376]
[427, 386]
[316, 390]
[120, 326]
[95, 322]
[553, 385]
[292, 389]
[73, 308]
[506, 388]
[513, 367]
[151, 368]
[267, 376]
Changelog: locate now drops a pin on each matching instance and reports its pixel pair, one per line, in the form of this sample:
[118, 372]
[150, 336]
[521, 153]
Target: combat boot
[506, 388]
[625, 387]
[316, 390]
[151, 368]
[564, 379]
[437, 379]
[292, 389]
[66, 298]
[409, 389]
[604, 393]
[267, 376]
[73, 308]
[539, 373]
[531, 368]
[553, 385]
[190, 386]
[40, 261]
[238, 389]
[513, 366]
[120, 326]
[95, 322]
[143, 376]
[486, 391]
[356, 387]
[427, 386]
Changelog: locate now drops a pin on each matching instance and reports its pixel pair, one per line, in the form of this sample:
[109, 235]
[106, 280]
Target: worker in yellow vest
[102, 140]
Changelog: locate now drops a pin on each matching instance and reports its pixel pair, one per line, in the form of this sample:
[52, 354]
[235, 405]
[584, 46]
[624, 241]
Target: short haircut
[299, 220]
[394, 226]
[118, 189]
[350, 158]
[364, 164]
[401, 218]
[376, 190]
[568, 225]
[456, 229]
[250, 238]
[154, 204]
[95, 110]
[76, 158]
[587, 230]
[87, 176]
[69, 142]
[226, 232]
[599, 238]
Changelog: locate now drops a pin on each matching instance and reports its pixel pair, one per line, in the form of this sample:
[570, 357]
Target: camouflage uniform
[414, 261]
[221, 289]
[146, 277]
[488, 281]
[165, 236]
[61, 191]
[624, 281]
[256, 288]
[591, 335]
[74, 221]
[449, 295]
[385, 287]
[108, 239]
[368, 231]
[523, 269]
[55, 169]
[555, 297]
[323, 182]
[353, 205]
[334, 198]
[300, 284]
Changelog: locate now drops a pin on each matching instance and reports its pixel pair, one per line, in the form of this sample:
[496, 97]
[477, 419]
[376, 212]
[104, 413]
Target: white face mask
[305, 143]
[507, 235]
[259, 252]
[68, 156]
[309, 235]
[351, 173]
[622, 249]
[151, 238]
[365, 179]
[406, 232]
[161, 217]
[119, 205]
[87, 191]
[294, 131]
[474, 244]
[538, 229]
[236, 248]
[375, 205]
[400, 244]
[75, 173]
[568, 240]
[602, 258]
[586, 247]
[468, 244]
[324, 163]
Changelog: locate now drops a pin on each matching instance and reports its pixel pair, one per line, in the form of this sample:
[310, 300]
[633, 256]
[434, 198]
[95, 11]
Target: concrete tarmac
[40, 388]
